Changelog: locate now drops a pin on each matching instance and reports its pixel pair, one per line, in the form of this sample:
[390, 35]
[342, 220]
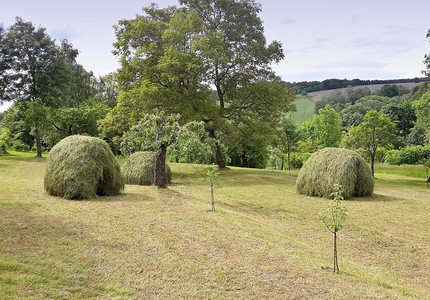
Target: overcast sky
[366, 39]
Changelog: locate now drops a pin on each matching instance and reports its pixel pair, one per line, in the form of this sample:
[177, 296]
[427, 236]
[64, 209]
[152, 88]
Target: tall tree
[375, 131]
[170, 57]
[34, 72]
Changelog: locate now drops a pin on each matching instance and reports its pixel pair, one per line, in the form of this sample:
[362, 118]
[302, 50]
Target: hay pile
[140, 167]
[331, 166]
[82, 167]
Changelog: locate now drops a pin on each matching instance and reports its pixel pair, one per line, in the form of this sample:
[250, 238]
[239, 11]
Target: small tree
[375, 131]
[336, 214]
[213, 175]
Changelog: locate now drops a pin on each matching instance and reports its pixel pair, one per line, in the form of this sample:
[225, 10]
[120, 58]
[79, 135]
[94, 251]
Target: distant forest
[331, 84]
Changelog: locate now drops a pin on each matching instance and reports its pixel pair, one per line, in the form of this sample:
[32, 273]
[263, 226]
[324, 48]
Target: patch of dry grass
[264, 241]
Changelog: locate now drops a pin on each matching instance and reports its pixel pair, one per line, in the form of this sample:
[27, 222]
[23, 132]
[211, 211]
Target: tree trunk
[372, 164]
[218, 154]
[38, 143]
[288, 156]
[427, 176]
[160, 158]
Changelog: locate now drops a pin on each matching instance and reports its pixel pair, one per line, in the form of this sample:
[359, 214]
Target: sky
[322, 39]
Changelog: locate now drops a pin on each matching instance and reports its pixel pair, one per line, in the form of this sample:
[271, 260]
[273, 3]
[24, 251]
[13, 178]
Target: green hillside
[305, 109]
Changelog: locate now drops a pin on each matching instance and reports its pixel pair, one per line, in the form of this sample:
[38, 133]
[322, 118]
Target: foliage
[333, 219]
[298, 159]
[412, 155]
[82, 167]
[422, 109]
[403, 115]
[140, 168]
[52, 87]
[417, 135]
[188, 143]
[324, 128]
[143, 135]
[375, 131]
[389, 90]
[4, 140]
[170, 57]
[331, 166]
[427, 59]
[192, 144]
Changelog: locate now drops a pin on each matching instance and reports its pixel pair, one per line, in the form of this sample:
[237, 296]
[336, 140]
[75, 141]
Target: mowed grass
[305, 109]
[263, 242]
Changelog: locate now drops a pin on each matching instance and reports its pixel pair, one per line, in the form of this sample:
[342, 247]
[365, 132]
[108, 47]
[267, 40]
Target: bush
[297, 159]
[139, 169]
[330, 166]
[82, 167]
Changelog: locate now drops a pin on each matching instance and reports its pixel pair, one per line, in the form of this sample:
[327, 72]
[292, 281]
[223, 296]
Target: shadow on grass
[375, 198]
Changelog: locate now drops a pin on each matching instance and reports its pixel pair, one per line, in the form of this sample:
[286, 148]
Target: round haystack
[140, 167]
[82, 167]
[331, 166]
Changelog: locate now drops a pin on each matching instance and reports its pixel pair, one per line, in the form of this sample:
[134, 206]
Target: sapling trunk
[335, 263]
[212, 197]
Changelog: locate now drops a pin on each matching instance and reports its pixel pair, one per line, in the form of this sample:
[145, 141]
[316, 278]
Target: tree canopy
[171, 59]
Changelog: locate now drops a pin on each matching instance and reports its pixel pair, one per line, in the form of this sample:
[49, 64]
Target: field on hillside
[316, 96]
[263, 242]
[305, 109]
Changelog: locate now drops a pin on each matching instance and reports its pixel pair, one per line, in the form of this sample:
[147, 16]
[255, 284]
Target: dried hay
[140, 167]
[82, 167]
[331, 166]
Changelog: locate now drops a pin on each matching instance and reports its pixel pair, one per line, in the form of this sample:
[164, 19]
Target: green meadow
[305, 109]
[263, 242]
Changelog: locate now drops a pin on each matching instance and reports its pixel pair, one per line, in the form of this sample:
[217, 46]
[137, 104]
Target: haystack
[82, 167]
[331, 166]
[140, 167]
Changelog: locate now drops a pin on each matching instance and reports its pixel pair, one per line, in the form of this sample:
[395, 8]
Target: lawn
[305, 109]
[263, 242]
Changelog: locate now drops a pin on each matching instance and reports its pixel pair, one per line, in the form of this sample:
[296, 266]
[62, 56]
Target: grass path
[263, 242]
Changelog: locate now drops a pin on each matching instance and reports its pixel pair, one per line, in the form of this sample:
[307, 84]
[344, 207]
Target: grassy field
[263, 242]
[316, 96]
[305, 109]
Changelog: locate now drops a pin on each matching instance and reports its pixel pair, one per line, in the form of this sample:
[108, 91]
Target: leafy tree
[389, 91]
[353, 114]
[375, 131]
[422, 110]
[170, 57]
[427, 59]
[162, 133]
[333, 219]
[37, 71]
[324, 128]
[413, 155]
[417, 135]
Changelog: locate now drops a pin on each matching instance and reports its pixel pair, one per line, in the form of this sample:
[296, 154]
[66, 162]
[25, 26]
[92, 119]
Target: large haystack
[140, 167]
[331, 166]
[82, 167]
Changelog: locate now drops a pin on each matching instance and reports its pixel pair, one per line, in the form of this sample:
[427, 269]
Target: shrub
[82, 167]
[139, 169]
[330, 166]
[297, 159]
